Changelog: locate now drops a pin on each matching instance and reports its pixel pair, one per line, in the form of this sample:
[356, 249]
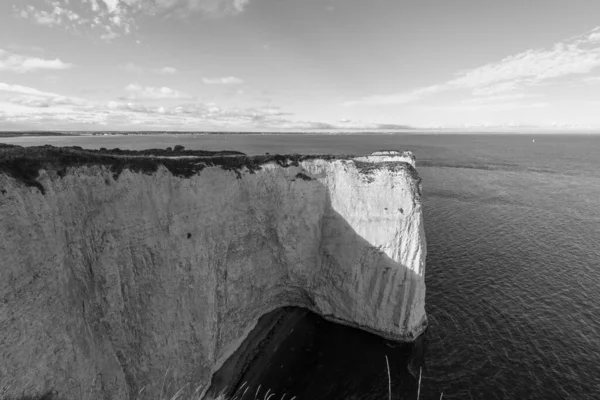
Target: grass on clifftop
[24, 163]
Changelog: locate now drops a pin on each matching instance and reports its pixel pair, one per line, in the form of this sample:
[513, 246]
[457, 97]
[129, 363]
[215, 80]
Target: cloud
[210, 8]
[28, 106]
[30, 97]
[18, 89]
[495, 89]
[107, 20]
[148, 107]
[166, 70]
[532, 66]
[35, 101]
[349, 124]
[529, 68]
[21, 64]
[111, 19]
[499, 102]
[270, 111]
[56, 15]
[136, 91]
[594, 35]
[131, 67]
[398, 98]
[111, 5]
[229, 80]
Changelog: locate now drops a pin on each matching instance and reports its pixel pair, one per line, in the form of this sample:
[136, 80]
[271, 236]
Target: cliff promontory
[119, 267]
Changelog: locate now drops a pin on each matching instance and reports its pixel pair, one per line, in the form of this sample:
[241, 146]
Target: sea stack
[118, 267]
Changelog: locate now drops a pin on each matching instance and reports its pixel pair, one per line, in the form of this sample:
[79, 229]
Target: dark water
[513, 269]
[307, 357]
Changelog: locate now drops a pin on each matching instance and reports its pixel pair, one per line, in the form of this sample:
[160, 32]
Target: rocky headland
[117, 267]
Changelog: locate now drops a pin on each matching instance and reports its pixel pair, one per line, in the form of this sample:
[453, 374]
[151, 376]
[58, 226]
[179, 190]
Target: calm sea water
[513, 267]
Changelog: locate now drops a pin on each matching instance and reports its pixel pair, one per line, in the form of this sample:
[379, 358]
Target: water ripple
[513, 285]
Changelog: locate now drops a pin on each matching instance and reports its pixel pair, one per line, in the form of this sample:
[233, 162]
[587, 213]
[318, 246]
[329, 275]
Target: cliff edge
[116, 267]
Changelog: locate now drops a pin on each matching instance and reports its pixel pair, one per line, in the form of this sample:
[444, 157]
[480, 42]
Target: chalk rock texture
[137, 286]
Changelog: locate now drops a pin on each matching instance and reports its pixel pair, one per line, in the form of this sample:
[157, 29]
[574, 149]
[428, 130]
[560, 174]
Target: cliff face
[108, 285]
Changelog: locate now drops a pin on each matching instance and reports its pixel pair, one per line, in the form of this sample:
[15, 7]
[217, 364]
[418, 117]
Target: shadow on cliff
[295, 352]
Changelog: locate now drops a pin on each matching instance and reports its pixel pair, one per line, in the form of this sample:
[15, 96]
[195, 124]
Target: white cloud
[532, 66]
[495, 89]
[40, 101]
[114, 18]
[594, 36]
[19, 63]
[149, 107]
[18, 89]
[529, 68]
[211, 8]
[54, 15]
[108, 20]
[229, 80]
[166, 70]
[109, 35]
[111, 5]
[154, 93]
[30, 97]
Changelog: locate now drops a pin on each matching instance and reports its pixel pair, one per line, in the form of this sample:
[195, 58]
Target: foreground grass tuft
[243, 393]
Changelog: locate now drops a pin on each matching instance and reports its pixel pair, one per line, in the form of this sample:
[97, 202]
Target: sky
[248, 65]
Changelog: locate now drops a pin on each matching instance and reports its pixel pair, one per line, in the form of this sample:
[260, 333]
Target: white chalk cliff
[105, 284]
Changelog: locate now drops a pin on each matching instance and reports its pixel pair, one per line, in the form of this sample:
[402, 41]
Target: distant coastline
[524, 131]
[149, 133]
[36, 133]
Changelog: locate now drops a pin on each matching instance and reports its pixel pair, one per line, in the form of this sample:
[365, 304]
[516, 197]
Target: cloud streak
[20, 64]
[22, 104]
[166, 70]
[529, 68]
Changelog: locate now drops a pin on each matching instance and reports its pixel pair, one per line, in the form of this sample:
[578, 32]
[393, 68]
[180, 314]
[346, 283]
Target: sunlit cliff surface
[118, 266]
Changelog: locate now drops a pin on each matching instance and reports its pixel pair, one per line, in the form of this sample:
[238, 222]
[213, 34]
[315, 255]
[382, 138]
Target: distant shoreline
[16, 134]
[158, 133]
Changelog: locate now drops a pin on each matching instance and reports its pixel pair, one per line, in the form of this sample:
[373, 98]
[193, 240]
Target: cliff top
[24, 163]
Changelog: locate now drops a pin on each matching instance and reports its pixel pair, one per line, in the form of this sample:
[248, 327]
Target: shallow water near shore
[513, 267]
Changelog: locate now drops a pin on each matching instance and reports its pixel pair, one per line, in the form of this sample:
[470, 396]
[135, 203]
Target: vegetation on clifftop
[24, 163]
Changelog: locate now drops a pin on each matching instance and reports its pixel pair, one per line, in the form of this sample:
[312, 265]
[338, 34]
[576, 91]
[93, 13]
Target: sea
[513, 264]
